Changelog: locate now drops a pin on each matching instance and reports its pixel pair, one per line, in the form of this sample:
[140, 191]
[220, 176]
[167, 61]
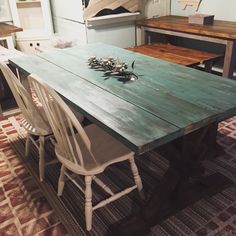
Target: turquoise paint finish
[163, 87]
[138, 129]
[223, 10]
[167, 101]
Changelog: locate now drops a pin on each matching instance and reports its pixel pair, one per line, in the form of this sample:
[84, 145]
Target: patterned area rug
[25, 211]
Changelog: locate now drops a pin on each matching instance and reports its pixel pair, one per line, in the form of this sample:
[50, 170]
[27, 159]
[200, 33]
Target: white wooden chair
[35, 121]
[83, 151]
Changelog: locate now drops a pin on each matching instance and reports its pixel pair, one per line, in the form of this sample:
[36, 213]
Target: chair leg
[27, 145]
[88, 202]
[61, 181]
[137, 178]
[41, 158]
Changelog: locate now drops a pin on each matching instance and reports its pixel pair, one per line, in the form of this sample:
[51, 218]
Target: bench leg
[208, 66]
[145, 36]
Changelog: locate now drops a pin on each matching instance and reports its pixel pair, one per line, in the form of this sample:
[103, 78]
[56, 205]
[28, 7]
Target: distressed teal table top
[166, 102]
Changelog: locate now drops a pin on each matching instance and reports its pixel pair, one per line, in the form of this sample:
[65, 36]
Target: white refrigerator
[68, 21]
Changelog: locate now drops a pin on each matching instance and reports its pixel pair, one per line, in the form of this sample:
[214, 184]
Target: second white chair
[83, 151]
[34, 121]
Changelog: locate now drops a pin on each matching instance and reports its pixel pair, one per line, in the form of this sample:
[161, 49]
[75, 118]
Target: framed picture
[5, 13]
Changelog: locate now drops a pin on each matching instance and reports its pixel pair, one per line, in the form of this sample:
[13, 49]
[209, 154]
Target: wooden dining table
[170, 108]
[221, 32]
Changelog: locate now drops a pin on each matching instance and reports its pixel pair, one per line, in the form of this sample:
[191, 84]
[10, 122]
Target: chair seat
[105, 148]
[43, 128]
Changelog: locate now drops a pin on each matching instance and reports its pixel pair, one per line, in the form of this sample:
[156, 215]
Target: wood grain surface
[123, 120]
[220, 29]
[6, 29]
[176, 54]
[166, 102]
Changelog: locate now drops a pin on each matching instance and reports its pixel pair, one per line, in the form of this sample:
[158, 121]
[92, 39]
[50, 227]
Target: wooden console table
[222, 32]
[5, 34]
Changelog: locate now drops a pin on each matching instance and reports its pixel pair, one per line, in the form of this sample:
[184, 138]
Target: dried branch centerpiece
[113, 67]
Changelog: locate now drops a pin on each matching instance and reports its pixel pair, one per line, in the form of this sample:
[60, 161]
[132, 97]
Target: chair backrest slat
[71, 138]
[23, 99]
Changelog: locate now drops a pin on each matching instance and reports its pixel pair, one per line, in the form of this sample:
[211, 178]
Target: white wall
[223, 10]
[150, 9]
[155, 8]
[5, 13]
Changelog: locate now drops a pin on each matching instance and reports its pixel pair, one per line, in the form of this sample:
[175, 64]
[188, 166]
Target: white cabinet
[30, 46]
[34, 16]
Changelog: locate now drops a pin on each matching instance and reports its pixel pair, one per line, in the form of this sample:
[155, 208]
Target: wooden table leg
[182, 185]
[230, 59]
[214, 149]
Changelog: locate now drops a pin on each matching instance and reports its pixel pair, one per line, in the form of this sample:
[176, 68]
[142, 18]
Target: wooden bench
[179, 55]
